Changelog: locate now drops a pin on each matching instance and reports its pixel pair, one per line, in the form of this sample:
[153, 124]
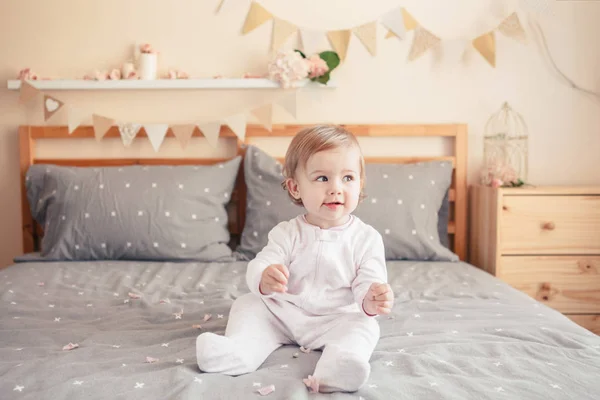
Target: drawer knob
[548, 226]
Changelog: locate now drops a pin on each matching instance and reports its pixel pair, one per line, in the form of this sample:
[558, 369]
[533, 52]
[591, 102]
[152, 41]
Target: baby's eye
[348, 178]
[322, 178]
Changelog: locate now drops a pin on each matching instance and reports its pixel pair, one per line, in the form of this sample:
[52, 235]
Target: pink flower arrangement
[27, 75]
[175, 74]
[146, 48]
[288, 68]
[500, 175]
[317, 66]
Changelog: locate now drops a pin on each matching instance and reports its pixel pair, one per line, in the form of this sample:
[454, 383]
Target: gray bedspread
[455, 333]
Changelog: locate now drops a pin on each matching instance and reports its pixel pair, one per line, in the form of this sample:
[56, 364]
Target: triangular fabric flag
[512, 28]
[101, 125]
[156, 134]
[219, 6]
[367, 34]
[51, 106]
[409, 22]
[211, 131]
[256, 17]
[289, 103]
[312, 41]
[128, 131]
[486, 46]
[423, 41]
[74, 117]
[282, 30]
[237, 123]
[27, 92]
[183, 133]
[339, 41]
[453, 51]
[394, 21]
[264, 115]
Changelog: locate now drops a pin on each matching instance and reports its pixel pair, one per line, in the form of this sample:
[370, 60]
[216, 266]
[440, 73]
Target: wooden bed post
[460, 204]
[26, 157]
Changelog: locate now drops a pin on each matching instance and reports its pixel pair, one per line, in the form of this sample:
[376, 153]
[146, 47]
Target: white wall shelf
[126, 84]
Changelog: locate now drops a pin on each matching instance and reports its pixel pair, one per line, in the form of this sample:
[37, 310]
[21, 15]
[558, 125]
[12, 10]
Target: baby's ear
[292, 187]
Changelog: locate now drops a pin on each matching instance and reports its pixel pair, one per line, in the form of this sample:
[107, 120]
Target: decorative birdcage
[505, 149]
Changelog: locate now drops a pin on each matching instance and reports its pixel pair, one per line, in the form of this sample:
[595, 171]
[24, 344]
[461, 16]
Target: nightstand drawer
[569, 284]
[550, 225]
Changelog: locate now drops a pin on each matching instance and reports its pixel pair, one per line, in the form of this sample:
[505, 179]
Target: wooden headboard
[458, 191]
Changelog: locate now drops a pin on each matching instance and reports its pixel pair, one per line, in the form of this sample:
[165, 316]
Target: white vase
[147, 66]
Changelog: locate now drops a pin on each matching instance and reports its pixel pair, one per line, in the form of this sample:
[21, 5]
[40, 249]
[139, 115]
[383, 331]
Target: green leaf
[331, 58]
[301, 53]
[323, 78]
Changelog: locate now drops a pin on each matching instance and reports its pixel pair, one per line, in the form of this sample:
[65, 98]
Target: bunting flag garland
[256, 17]
[282, 30]
[237, 123]
[367, 34]
[288, 103]
[397, 21]
[156, 134]
[423, 41]
[211, 130]
[486, 46]
[312, 40]
[28, 92]
[101, 125]
[339, 41]
[51, 106]
[394, 21]
[183, 133]
[264, 116]
[128, 131]
[75, 117]
[512, 28]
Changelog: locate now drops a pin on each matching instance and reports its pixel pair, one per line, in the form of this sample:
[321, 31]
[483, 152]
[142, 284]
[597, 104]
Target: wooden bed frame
[32, 232]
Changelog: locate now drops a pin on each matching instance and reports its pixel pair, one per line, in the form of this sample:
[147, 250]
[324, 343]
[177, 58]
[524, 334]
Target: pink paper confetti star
[197, 326]
[312, 383]
[207, 317]
[134, 295]
[264, 391]
[165, 301]
[70, 346]
[151, 360]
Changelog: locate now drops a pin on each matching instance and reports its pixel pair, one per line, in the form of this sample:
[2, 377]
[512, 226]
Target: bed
[88, 313]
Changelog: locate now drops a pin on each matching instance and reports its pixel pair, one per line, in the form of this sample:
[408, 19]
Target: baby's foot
[312, 383]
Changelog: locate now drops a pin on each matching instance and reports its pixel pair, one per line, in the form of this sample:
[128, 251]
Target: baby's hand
[379, 299]
[274, 279]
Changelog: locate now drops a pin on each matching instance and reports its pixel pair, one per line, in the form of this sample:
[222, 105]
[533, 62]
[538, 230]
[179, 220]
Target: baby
[320, 279]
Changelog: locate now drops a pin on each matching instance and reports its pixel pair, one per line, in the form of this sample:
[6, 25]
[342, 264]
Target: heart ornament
[51, 106]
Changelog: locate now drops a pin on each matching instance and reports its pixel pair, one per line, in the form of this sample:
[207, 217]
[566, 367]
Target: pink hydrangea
[288, 68]
[317, 66]
[147, 49]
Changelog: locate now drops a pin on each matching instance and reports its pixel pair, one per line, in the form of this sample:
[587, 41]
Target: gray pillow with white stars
[406, 203]
[133, 212]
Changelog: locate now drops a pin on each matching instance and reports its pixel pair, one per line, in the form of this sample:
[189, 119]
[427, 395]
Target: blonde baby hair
[312, 140]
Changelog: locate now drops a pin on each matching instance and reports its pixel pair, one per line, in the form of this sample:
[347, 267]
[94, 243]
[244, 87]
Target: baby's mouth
[333, 205]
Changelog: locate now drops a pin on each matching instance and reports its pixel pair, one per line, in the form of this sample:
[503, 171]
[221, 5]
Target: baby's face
[329, 186]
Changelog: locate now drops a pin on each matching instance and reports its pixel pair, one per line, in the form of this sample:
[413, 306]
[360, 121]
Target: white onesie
[330, 272]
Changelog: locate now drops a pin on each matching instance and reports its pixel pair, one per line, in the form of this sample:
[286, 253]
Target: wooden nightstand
[544, 241]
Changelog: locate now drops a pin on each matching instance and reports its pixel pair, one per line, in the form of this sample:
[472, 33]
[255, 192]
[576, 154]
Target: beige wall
[67, 39]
